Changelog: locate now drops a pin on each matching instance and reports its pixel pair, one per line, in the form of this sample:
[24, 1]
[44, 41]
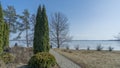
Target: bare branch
[59, 28]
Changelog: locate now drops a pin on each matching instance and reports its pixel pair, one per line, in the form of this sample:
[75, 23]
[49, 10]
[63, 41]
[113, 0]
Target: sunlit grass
[93, 59]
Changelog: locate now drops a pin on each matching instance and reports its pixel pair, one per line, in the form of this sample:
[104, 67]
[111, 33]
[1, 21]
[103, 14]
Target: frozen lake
[83, 44]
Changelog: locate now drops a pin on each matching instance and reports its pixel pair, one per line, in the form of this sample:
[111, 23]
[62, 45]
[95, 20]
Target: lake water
[83, 44]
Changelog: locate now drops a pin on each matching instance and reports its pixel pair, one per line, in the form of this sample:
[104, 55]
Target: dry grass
[93, 59]
[22, 54]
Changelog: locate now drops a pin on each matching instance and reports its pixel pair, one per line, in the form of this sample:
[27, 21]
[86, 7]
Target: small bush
[42, 60]
[7, 57]
[51, 46]
[99, 47]
[110, 48]
[16, 44]
[77, 47]
[6, 49]
[67, 47]
[88, 48]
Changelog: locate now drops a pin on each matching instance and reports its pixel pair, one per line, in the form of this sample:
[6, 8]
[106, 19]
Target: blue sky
[89, 19]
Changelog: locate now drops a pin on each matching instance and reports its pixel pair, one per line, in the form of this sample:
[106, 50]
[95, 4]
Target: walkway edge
[63, 61]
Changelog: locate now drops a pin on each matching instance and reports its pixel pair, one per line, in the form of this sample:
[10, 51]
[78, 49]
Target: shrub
[67, 47]
[77, 47]
[7, 57]
[110, 48]
[6, 49]
[16, 44]
[42, 60]
[88, 48]
[99, 47]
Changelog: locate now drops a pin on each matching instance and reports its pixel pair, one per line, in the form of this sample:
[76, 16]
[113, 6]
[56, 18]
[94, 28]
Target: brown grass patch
[93, 59]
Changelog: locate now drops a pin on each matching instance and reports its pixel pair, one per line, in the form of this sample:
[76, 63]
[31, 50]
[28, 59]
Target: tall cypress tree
[6, 36]
[1, 12]
[37, 39]
[41, 34]
[46, 29]
[4, 32]
[1, 29]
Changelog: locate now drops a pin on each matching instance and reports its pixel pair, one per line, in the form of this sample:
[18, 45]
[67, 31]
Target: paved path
[62, 61]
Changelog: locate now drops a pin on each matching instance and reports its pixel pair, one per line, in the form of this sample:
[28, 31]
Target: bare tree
[59, 28]
[31, 33]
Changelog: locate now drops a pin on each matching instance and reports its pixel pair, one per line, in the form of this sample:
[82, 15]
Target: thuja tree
[6, 36]
[4, 32]
[41, 34]
[1, 29]
[45, 29]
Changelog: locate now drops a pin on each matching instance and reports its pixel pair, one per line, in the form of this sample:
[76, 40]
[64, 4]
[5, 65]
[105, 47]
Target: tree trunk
[27, 38]
[58, 45]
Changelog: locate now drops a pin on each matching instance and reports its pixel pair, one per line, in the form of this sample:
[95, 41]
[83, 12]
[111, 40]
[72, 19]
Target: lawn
[92, 58]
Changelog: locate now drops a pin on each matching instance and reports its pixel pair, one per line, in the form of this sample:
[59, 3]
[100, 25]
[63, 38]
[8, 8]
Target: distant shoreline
[94, 40]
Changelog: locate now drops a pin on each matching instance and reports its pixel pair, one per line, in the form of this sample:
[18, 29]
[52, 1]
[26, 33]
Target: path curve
[62, 61]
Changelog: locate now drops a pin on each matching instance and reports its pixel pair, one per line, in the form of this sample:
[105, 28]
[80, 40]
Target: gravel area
[62, 61]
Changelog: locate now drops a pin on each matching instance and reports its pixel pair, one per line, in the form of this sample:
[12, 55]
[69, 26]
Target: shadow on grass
[24, 66]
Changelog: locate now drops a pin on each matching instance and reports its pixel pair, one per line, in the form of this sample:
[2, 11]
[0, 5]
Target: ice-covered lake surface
[83, 44]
